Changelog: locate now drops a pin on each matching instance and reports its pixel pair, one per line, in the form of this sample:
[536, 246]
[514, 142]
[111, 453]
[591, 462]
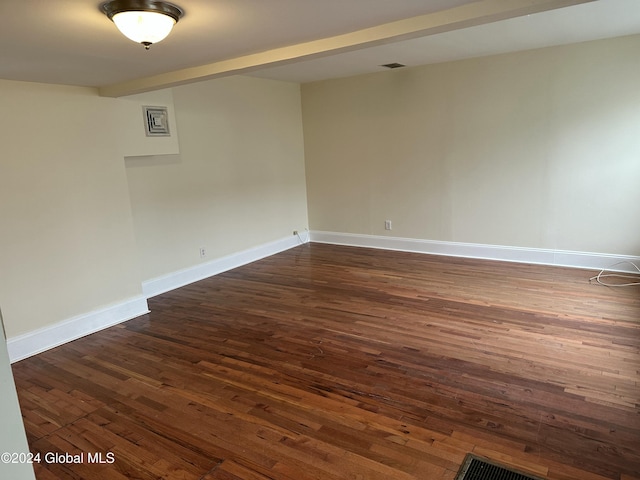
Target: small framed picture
[156, 121]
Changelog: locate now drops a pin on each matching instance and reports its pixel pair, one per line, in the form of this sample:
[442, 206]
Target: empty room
[348, 239]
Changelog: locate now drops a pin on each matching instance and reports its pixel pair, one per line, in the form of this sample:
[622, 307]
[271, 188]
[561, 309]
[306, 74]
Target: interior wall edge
[558, 258]
[51, 336]
[14, 438]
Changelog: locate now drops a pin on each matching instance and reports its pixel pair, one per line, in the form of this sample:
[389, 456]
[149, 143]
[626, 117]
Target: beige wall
[237, 183]
[66, 242]
[68, 245]
[534, 149]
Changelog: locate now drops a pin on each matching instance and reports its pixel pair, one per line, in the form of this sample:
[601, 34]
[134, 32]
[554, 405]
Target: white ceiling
[72, 42]
[579, 23]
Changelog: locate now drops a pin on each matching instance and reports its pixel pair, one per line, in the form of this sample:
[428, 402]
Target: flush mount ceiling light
[143, 21]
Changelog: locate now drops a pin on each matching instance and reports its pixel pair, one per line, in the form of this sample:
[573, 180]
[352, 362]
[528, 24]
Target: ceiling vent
[393, 65]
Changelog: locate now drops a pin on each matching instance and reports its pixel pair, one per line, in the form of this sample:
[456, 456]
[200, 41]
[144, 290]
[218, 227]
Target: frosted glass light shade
[143, 21]
[144, 27]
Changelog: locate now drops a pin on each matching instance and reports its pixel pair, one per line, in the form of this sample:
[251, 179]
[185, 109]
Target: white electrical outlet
[387, 224]
[203, 252]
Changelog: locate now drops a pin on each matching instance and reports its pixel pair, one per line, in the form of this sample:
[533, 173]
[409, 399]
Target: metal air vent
[393, 65]
[476, 468]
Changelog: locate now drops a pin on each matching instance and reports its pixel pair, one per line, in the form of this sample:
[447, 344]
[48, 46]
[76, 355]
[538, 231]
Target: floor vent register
[476, 468]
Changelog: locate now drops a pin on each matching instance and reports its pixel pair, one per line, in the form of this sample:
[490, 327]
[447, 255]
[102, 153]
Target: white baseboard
[43, 339]
[587, 260]
[165, 283]
[38, 341]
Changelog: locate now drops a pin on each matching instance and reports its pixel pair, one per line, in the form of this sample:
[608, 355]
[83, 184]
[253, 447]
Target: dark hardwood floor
[328, 362]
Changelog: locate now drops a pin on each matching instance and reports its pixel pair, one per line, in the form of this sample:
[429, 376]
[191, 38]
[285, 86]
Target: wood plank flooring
[329, 362]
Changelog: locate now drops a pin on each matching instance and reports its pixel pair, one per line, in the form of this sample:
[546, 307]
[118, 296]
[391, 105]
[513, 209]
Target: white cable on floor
[618, 275]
